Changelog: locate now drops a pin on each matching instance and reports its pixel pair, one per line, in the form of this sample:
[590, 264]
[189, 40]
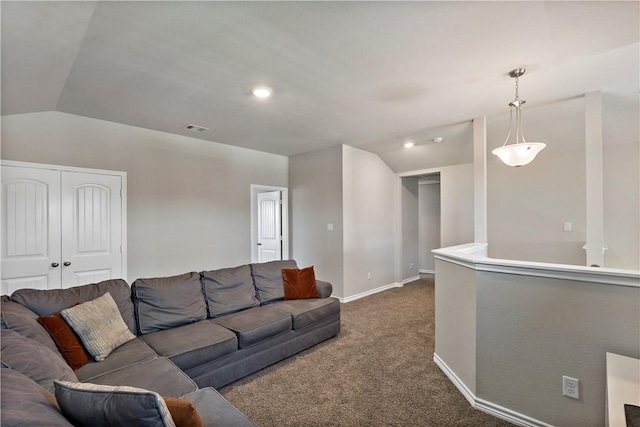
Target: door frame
[122, 175]
[255, 190]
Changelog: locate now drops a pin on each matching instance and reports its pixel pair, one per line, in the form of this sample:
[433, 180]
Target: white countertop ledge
[473, 255]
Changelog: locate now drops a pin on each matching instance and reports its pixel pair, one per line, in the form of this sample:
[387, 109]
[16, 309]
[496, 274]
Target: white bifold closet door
[60, 228]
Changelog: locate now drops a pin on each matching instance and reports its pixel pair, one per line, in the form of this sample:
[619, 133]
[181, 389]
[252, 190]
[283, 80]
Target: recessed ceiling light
[262, 91]
[409, 144]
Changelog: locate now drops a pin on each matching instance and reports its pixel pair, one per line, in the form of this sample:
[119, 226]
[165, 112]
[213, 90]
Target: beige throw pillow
[99, 325]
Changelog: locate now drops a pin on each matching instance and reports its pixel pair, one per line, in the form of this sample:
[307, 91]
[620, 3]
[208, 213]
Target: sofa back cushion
[267, 278]
[166, 302]
[228, 290]
[34, 360]
[51, 301]
[25, 403]
[25, 322]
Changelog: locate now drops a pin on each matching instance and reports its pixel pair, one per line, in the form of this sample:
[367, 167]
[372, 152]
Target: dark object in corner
[632, 415]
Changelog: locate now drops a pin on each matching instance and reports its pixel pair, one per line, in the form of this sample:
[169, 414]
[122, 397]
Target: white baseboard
[423, 271]
[410, 279]
[485, 406]
[370, 292]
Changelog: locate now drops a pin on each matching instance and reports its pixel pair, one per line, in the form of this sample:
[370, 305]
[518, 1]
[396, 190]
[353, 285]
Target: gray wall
[531, 331]
[410, 228]
[188, 199]
[369, 209]
[621, 178]
[455, 294]
[456, 204]
[429, 213]
[528, 206]
[315, 187]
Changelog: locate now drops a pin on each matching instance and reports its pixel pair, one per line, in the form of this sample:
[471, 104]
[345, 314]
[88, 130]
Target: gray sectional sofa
[194, 332]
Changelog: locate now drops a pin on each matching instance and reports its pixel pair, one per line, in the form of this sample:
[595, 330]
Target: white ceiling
[367, 74]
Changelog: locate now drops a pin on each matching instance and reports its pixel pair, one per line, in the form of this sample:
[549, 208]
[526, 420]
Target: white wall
[369, 194]
[410, 264]
[315, 186]
[188, 199]
[429, 217]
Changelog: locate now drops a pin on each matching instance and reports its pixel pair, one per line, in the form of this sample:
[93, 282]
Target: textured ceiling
[367, 74]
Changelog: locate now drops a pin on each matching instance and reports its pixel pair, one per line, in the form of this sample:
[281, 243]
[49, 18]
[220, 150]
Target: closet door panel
[31, 245]
[92, 228]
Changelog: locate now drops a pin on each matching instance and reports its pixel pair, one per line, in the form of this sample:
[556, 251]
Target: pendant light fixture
[521, 152]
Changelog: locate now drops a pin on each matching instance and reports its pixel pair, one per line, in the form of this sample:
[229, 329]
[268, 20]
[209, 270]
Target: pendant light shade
[521, 152]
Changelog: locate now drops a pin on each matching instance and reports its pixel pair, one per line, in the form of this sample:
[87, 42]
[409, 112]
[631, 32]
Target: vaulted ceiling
[367, 74]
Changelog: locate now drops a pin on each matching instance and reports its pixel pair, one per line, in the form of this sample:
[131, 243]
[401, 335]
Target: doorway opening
[269, 223]
[429, 220]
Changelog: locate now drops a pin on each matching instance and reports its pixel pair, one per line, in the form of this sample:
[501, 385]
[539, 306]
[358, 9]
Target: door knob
[66, 263]
[259, 244]
[54, 264]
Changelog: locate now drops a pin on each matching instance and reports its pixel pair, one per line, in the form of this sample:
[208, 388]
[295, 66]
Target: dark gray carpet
[378, 371]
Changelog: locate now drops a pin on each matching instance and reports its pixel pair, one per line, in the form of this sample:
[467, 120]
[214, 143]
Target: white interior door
[269, 227]
[92, 228]
[30, 229]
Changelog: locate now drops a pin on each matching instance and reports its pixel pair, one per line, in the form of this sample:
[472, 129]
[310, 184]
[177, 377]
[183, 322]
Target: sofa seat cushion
[215, 410]
[229, 290]
[25, 403]
[166, 302]
[130, 353]
[254, 325]
[267, 277]
[307, 312]
[45, 302]
[33, 359]
[194, 344]
[159, 375]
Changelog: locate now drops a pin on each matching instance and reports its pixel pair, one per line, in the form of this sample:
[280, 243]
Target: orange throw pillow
[299, 284]
[183, 412]
[66, 340]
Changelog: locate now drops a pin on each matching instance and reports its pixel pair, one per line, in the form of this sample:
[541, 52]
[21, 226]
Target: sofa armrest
[325, 289]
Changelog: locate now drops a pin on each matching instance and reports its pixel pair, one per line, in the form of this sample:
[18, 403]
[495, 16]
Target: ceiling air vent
[195, 128]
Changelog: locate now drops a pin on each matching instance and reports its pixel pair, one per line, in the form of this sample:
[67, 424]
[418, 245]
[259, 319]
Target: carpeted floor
[378, 371]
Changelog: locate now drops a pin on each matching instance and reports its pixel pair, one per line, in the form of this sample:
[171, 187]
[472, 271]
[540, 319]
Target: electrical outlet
[369, 276]
[410, 266]
[329, 227]
[567, 226]
[571, 387]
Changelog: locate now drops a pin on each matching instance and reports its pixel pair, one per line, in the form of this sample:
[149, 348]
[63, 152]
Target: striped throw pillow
[99, 325]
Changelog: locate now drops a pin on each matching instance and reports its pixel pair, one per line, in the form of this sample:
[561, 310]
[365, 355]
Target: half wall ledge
[507, 331]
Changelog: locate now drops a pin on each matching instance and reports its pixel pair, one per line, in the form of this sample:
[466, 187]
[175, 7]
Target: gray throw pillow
[25, 322]
[229, 290]
[33, 360]
[267, 278]
[92, 405]
[99, 325]
[166, 302]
